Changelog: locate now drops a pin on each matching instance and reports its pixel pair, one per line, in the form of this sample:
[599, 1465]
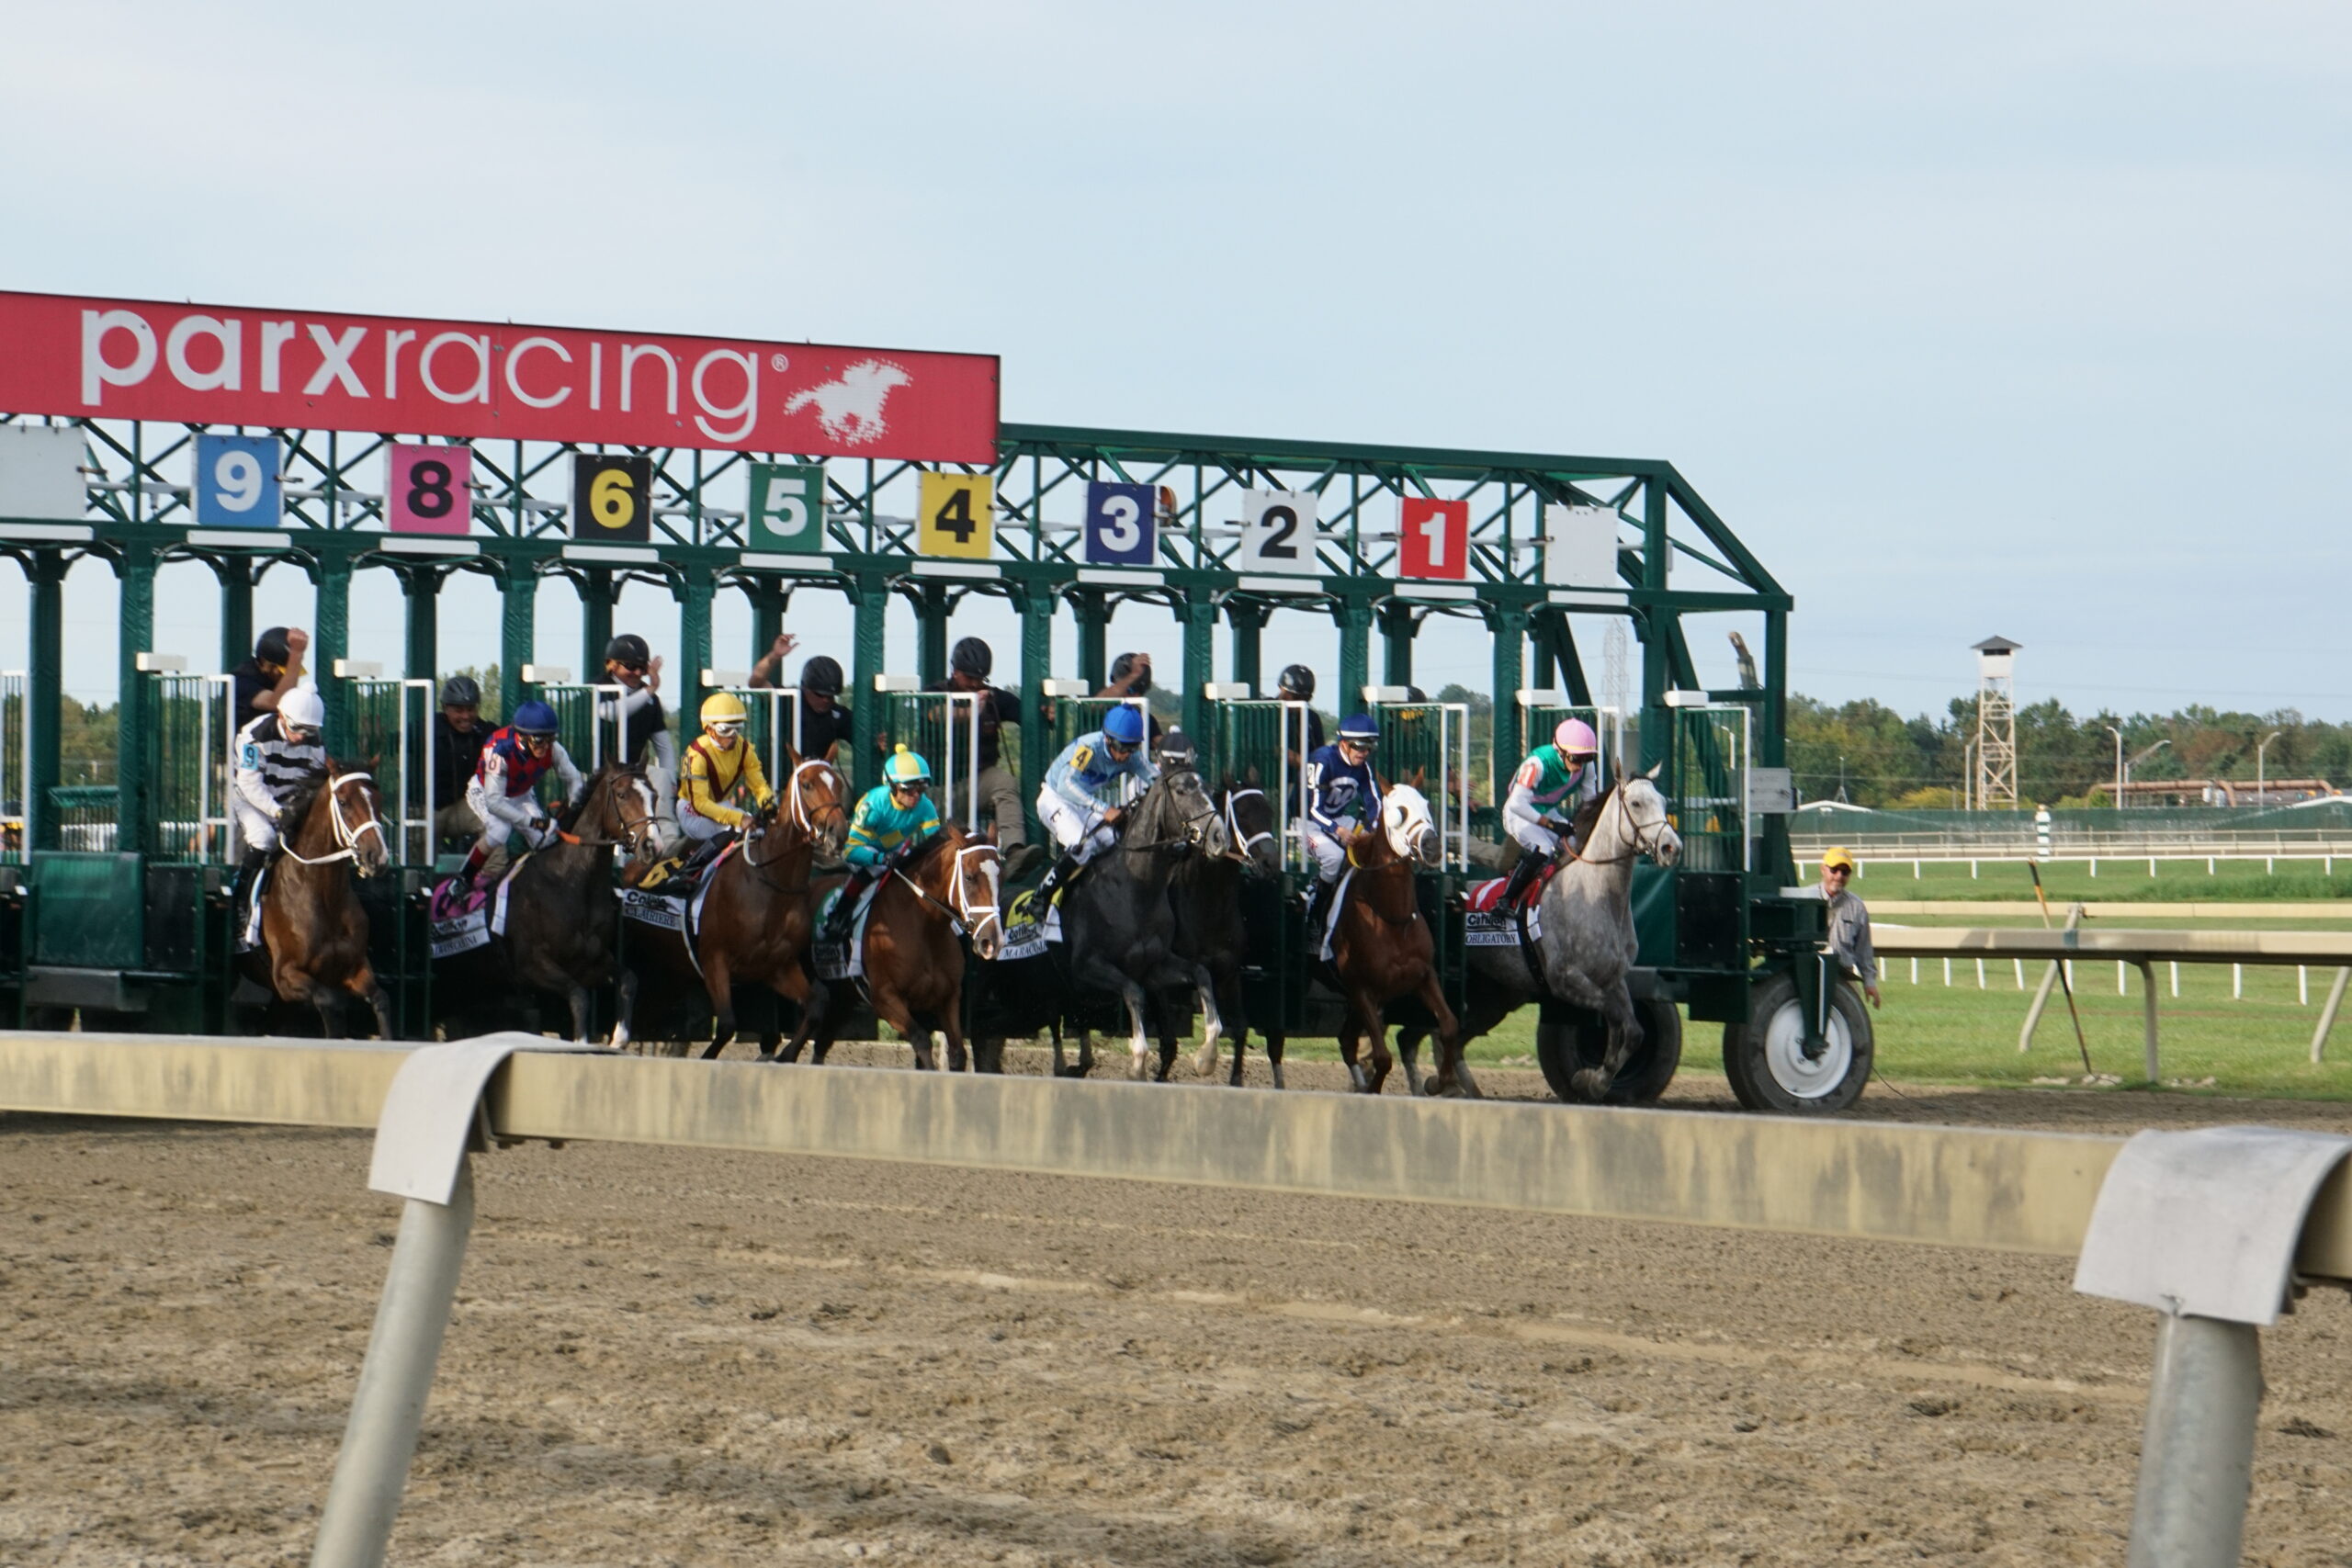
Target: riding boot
[837, 918]
[1319, 903]
[472, 868]
[1530, 865]
[1063, 870]
[248, 870]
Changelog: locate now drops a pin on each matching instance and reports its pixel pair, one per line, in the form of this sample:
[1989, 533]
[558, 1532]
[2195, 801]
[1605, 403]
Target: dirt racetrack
[702, 1359]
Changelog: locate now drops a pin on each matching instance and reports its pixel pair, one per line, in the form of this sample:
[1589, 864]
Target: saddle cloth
[678, 910]
[1486, 923]
[462, 922]
[1027, 929]
[844, 960]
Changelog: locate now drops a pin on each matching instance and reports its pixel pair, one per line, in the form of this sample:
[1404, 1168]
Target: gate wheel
[1569, 1038]
[1765, 1060]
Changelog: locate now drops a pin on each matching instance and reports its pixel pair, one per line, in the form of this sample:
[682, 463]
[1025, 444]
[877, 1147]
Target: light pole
[1968, 775]
[2118, 763]
[2261, 793]
[2140, 756]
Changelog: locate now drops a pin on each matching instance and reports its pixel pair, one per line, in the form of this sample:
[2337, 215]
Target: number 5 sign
[429, 489]
[1278, 532]
[1432, 537]
[787, 507]
[958, 516]
[1119, 524]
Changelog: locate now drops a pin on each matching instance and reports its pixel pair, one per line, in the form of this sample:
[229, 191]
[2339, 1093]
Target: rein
[1639, 849]
[960, 913]
[345, 834]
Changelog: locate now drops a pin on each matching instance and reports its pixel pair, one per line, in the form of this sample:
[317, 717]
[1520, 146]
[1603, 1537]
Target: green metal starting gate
[588, 722]
[392, 734]
[1263, 741]
[944, 729]
[1429, 742]
[190, 739]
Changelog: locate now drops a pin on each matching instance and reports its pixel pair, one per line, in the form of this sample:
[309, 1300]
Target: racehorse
[1206, 893]
[757, 912]
[314, 934]
[1381, 947]
[914, 962]
[562, 912]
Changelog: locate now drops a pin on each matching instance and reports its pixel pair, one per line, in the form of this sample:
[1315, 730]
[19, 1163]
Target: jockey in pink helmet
[1545, 795]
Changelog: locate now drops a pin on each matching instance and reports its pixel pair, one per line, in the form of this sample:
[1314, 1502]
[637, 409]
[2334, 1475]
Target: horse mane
[1587, 816]
[568, 818]
[929, 848]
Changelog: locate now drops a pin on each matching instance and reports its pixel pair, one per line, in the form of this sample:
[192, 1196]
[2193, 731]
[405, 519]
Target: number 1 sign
[429, 489]
[1432, 537]
[1278, 532]
[1120, 524]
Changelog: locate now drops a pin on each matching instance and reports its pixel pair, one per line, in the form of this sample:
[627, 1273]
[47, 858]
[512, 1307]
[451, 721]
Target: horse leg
[1213, 1026]
[624, 1005]
[1453, 1068]
[1138, 1045]
[1408, 1052]
[952, 1026]
[1624, 1035]
[1351, 1036]
[1381, 1060]
[1274, 1060]
[718, 979]
[577, 995]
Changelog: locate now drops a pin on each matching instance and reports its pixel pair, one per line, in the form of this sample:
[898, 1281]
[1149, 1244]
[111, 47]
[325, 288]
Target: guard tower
[1996, 725]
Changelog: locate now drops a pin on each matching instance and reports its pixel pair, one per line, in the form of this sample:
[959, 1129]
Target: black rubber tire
[1748, 1050]
[1569, 1038]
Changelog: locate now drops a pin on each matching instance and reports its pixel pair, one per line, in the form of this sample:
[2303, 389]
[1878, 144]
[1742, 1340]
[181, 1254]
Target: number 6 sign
[429, 489]
[1278, 532]
[1120, 524]
[1432, 537]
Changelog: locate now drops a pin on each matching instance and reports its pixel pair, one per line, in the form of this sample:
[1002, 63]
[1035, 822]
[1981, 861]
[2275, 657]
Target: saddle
[679, 875]
[1487, 922]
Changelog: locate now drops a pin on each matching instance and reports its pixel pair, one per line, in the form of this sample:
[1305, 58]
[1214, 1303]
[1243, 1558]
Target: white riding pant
[1530, 832]
[698, 826]
[255, 827]
[505, 815]
[1076, 832]
[1330, 856]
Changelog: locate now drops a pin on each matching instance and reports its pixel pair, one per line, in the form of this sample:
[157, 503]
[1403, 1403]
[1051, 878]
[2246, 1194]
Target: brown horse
[915, 965]
[314, 934]
[758, 912]
[1381, 949]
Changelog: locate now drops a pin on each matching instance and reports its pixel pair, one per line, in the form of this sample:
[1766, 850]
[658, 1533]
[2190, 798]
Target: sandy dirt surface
[702, 1359]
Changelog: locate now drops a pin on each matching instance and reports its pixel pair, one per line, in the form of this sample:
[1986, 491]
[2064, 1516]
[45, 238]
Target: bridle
[1655, 834]
[958, 885]
[1243, 842]
[1192, 834]
[794, 796]
[345, 836]
[802, 818]
[636, 833]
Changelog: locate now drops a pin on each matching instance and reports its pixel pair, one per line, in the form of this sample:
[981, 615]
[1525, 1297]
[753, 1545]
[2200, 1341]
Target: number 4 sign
[429, 489]
[958, 515]
[1432, 537]
[1120, 524]
[1278, 532]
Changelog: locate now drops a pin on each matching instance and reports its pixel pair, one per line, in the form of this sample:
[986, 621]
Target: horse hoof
[1589, 1084]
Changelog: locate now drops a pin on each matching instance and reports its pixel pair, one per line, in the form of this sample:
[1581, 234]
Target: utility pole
[2140, 756]
[2261, 793]
[2118, 762]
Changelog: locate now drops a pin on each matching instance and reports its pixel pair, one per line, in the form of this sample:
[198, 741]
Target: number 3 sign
[1120, 524]
[429, 489]
[1432, 537]
[1278, 532]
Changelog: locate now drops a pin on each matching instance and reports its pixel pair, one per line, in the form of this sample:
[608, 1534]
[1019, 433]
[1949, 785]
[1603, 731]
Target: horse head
[1249, 820]
[1406, 823]
[355, 813]
[1646, 824]
[969, 877]
[621, 807]
[1177, 811]
[813, 800]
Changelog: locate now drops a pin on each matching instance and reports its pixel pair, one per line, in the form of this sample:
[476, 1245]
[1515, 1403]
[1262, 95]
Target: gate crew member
[458, 736]
[999, 792]
[505, 793]
[1545, 794]
[1850, 922]
[276, 753]
[1087, 789]
[1297, 684]
[1342, 795]
[718, 764]
[891, 818]
[629, 664]
[275, 667]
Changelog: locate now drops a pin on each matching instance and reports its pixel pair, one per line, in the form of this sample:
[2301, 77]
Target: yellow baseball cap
[1837, 857]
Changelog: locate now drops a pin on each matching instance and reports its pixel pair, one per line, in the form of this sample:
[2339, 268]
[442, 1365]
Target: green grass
[2181, 881]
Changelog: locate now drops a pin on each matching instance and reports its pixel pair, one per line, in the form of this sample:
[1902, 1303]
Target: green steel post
[517, 629]
[701, 586]
[768, 599]
[46, 679]
[1248, 619]
[422, 654]
[1774, 853]
[1093, 632]
[1036, 605]
[1658, 641]
[1509, 625]
[1571, 665]
[1396, 621]
[136, 634]
[869, 654]
[597, 621]
[1199, 660]
[930, 632]
[330, 640]
[1354, 616]
[236, 575]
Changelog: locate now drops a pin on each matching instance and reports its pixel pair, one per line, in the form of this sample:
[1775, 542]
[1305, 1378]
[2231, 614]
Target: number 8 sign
[1278, 532]
[1432, 537]
[429, 489]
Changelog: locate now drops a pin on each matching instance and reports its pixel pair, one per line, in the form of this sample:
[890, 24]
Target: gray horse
[1118, 927]
[1586, 944]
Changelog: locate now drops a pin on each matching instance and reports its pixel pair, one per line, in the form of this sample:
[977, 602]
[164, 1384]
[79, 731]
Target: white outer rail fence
[2032, 1192]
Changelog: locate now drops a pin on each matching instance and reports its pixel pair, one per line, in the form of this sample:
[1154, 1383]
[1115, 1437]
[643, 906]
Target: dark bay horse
[1382, 948]
[314, 934]
[759, 911]
[912, 958]
[1206, 892]
[562, 913]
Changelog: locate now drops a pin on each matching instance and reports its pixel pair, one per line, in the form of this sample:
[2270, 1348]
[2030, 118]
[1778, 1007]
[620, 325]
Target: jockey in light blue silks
[1087, 791]
[1342, 797]
[891, 818]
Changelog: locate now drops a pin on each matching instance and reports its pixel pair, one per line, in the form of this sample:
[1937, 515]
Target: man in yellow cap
[1850, 922]
[718, 764]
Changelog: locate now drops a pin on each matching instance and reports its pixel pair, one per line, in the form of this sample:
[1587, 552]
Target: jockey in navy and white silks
[275, 753]
[504, 792]
[1089, 786]
[1342, 795]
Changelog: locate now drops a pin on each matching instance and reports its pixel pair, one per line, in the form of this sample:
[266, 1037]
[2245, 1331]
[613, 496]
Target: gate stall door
[188, 740]
[943, 728]
[1709, 794]
[1432, 740]
[587, 720]
[16, 769]
[1077, 715]
[1261, 744]
[771, 717]
[1545, 709]
[391, 730]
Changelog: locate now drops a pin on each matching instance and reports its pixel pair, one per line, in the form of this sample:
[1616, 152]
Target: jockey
[718, 762]
[277, 752]
[645, 734]
[891, 818]
[1342, 794]
[1077, 805]
[1545, 794]
[505, 791]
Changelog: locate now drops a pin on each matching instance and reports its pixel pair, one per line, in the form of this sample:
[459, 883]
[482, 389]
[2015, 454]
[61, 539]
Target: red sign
[1432, 537]
[302, 370]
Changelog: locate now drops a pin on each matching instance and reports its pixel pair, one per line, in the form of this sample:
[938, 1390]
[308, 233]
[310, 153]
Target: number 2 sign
[429, 489]
[1432, 537]
[236, 480]
[1120, 524]
[1278, 532]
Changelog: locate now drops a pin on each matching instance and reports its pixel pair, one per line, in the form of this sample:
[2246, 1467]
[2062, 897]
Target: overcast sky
[1971, 319]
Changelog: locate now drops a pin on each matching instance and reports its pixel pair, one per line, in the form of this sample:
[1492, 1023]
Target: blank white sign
[1580, 547]
[40, 472]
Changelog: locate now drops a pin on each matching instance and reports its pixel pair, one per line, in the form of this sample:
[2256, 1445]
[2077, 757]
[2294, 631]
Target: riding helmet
[535, 717]
[1575, 736]
[271, 647]
[460, 692]
[1358, 726]
[302, 708]
[1176, 750]
[822, 676]
[1123, 724]
[723, 707]
[1299, 681]
[972, 656]
[627, 648]
[906, 766]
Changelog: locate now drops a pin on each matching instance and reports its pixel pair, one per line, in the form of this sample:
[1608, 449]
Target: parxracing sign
[307, 370]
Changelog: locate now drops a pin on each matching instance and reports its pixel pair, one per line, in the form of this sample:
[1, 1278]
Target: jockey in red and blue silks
[504, 791]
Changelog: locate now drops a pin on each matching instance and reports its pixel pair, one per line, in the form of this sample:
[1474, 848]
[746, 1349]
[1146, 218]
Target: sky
[2026, 320]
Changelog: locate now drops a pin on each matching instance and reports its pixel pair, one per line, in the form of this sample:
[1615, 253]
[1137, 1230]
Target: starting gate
[1431, 742]
[1710, 787]
[771, 717]
[1263, 741]
[190, 735]
[1544, 710]
[392, 729]
[943, 728]
[588, 719]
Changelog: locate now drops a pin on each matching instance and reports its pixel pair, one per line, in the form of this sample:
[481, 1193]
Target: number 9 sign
[612, 498]
[429, 489]
[788, 507]
[236, 482]
[1121, 525]
[1278, 532]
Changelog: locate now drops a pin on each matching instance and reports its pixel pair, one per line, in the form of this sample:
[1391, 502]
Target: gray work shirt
[1849, 932]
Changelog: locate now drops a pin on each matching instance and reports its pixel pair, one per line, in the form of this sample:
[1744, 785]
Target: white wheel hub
[1798, 1075]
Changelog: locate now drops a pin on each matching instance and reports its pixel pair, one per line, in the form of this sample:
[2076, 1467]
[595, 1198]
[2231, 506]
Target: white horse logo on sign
[850, 409]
